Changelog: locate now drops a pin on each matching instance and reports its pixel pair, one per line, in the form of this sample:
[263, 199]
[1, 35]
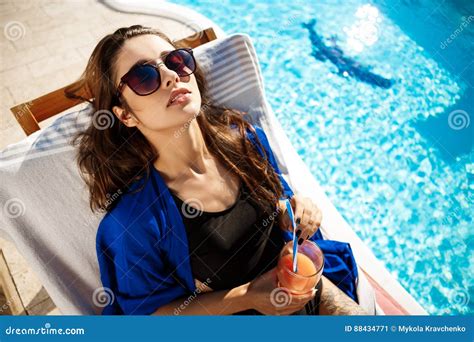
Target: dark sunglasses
[145, 79]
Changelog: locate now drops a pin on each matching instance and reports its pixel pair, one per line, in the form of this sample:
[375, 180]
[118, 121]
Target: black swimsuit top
[233, 246]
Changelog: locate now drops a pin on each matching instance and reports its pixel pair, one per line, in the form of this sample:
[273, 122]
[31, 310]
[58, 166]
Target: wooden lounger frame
[30, 113]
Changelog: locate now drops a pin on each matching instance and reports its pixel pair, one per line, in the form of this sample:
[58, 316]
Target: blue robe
[143, 253]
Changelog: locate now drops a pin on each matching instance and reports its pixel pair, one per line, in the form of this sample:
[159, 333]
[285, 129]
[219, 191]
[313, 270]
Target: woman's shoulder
[129, 214]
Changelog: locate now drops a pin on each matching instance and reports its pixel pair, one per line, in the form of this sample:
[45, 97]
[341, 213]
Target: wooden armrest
[10, 303]
[30, 113]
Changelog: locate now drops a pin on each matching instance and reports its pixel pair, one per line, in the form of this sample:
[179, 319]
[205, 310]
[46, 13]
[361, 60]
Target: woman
[200, 217]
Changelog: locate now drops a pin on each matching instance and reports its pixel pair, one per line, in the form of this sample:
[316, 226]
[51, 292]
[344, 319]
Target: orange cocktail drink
[310, 261]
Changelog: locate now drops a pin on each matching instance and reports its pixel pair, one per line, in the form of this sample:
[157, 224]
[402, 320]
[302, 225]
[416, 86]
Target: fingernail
[300, 241]
[298, 220]
[298, 232]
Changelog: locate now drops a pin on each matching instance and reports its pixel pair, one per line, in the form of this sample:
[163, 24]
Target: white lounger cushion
[45, 203]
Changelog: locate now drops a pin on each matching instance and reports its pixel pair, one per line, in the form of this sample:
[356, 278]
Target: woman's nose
[169, 77]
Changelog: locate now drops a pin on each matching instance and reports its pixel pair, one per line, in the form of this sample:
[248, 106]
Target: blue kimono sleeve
[287, 192]
[339, 264]
[133, 269]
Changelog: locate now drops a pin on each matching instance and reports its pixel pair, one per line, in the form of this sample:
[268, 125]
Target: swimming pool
[375, 98]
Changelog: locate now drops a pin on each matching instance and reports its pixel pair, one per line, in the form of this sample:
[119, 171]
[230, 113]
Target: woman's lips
[181, 99]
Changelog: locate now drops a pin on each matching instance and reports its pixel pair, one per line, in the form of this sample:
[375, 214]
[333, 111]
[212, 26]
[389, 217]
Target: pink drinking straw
[295, 243]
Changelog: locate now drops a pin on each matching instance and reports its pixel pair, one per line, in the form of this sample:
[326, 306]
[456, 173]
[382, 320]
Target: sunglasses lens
[181, 61]
[144, 79]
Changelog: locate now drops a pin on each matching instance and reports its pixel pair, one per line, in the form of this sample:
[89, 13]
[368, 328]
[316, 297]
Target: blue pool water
[394, 156]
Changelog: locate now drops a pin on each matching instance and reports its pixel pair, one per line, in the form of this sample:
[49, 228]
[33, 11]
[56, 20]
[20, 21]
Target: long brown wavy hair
[108, 157]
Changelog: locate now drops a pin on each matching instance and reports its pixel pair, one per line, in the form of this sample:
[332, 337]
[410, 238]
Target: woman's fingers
[299, 214]
[307, 212]
[297, 208]
[319, 216]
[305, 219]
[314, 221]
[307, 215]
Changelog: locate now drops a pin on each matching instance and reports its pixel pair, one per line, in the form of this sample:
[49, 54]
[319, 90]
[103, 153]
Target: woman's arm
[258, 294]
[335, 302]
[225, 302]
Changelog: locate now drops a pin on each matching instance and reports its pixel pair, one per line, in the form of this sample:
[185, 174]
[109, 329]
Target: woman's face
[152, 111]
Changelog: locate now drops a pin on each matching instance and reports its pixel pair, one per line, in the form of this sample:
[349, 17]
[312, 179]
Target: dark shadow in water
[451, 132]
[346, 66]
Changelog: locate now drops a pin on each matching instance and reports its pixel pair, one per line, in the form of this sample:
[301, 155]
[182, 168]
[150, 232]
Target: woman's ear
[125, 117]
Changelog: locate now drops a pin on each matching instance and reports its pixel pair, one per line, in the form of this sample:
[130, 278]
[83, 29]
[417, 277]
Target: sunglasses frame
[124, 79]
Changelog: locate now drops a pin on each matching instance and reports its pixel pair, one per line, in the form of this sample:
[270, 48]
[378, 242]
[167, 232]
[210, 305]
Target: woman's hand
[269, 299]
[307, 215]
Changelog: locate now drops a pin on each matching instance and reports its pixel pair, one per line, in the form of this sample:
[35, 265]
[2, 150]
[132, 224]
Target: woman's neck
[182, 154]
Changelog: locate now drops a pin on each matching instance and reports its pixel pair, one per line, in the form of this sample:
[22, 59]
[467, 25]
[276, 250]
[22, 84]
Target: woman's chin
[190, 109]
